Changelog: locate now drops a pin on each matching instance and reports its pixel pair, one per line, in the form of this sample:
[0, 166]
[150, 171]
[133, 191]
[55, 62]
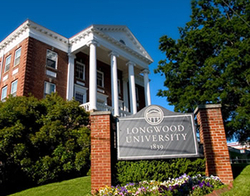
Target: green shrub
[44, 140]
[136, 171]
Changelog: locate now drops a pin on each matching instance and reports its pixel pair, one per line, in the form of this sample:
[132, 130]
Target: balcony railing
[103, 107]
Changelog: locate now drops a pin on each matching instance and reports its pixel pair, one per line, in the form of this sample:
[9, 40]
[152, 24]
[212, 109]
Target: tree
[44, 140]
[210, 63]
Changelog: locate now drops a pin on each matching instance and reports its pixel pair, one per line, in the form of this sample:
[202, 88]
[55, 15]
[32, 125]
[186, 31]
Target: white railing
[103, 107]
[238, 161]
[85, 106]
[124, 113]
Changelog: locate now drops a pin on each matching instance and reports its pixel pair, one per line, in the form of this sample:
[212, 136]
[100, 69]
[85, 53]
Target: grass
[75, 187]
[241, 184]
[82, 187]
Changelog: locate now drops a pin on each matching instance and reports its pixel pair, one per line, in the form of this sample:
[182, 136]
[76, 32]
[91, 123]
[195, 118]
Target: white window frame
[14, 88]
[7, 66]
[81, 90]
[4, 93]
[48, 57]
[100, 72]
[83, 67]
[102, 98]
[17, 56]
[47, 88]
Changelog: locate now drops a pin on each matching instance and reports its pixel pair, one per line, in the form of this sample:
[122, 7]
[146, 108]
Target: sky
[148, 20]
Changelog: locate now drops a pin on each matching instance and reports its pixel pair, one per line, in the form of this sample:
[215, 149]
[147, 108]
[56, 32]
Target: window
[4, 93]
[51, 59]
[14, 88]
[119, 86]
[79, 97]
[7, 63]
[100, 79]
[122, 41]
[80, 71]
[17, 56]
[49, 88]
[80, 94]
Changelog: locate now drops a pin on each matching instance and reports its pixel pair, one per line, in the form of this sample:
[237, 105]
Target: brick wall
[100, 150]
[213, 138]
[31, 72]
[35, 74]
[15, 72]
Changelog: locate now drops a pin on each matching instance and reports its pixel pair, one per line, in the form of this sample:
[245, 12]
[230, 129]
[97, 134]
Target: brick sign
[155, 133]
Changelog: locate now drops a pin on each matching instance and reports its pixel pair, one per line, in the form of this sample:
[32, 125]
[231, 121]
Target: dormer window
[51, 59]
[123, 42]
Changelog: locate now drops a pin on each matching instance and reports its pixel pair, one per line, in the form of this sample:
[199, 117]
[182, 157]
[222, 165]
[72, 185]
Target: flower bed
[184, 185]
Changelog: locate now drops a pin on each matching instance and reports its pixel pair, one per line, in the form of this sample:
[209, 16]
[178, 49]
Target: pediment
[123, 35]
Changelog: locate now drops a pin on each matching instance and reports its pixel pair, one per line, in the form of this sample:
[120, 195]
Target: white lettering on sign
[156, 138]
[156, 129]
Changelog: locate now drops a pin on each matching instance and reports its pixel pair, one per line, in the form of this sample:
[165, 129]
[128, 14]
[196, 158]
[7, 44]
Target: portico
[115, 68]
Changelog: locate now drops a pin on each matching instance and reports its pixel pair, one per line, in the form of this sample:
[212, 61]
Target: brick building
[104, 67]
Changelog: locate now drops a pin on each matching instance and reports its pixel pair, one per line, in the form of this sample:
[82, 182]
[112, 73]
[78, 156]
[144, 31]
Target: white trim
[9, 58]
[1, 66]
[196, 154]
[132, 89]
[108, 30]
[48, 85]
[102, 73]
[15, 71]
[5, 78]
[102, 98]
[70, 77]
[48, 51]
[93, 73]
[84, 73]
[17, 57]
[4, 88]
[15, 38]
[139, 80]
[47, 36]
[12, 83]
[138, 59]
[146, 87]
[51, 73]
[80, 83]
[31, 29]
[82, 90]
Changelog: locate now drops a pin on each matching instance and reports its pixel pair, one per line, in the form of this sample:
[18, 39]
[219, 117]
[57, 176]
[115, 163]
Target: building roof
[118, 35]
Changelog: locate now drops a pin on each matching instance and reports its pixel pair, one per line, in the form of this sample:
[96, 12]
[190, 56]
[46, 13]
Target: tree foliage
[210, 62]
[45, 140]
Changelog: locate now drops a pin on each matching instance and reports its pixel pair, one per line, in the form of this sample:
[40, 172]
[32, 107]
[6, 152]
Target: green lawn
[78, 186]
[81, 186]
[241, 185]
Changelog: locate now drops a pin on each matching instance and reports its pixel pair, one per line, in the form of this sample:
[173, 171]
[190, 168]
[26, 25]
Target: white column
[70, 77]
[114, 83]
[146, 87]
[92, 75]
[131, 76]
